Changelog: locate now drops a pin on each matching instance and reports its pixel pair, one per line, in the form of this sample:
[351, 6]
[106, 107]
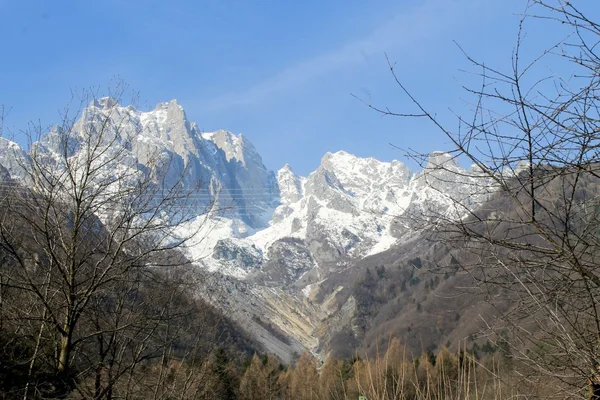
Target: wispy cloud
[402, 31]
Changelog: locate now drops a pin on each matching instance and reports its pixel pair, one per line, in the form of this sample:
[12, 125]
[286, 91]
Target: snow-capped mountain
[226, 167]
[276, 234]
[12, 158]
[348, 208]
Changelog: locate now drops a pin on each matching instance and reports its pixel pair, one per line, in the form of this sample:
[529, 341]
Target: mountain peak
[286, 169]
[234, 146]
[339, 159]
[169, 104]
[290, 185]
[170, 111]
[344, 162]
[441, 159]
[104, 103]
[337, 155]
[341, 153]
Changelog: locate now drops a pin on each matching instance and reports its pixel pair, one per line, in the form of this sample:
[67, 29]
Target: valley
[279, 253]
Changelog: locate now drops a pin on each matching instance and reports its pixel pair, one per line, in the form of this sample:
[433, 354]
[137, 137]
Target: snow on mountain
[13, 158]
[445, 189]
[291, 186]
[348, 208]
[270, 238]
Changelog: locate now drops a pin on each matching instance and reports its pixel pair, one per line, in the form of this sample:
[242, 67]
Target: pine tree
[333, 380]
[261, 380]
[395, 370]
[446, 371]
[254, 384]
[304, 380]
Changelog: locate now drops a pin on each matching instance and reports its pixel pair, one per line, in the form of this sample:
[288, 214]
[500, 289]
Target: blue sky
[281, 72]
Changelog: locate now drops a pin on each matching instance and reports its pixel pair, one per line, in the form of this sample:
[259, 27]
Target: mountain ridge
[280, 232]
[349, 207]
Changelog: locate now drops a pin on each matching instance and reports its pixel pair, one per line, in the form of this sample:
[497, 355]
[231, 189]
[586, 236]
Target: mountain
[274, 245]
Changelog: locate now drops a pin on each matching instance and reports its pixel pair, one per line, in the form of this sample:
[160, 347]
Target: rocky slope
[272, 238]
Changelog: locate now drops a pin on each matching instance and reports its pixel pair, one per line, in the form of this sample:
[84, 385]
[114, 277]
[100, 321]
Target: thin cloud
[404, 30]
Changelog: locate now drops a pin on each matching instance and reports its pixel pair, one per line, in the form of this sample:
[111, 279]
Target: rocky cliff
[278, 235]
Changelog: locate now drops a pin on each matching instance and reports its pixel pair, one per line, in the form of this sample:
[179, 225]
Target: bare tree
[534, 242]
[88, 243]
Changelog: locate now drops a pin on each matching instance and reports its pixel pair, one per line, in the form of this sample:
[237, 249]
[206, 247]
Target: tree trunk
[64, 353]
